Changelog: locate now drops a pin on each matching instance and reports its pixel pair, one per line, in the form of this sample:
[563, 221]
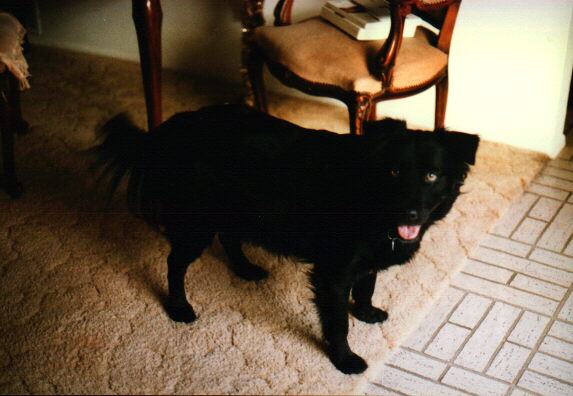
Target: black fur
[350, 205]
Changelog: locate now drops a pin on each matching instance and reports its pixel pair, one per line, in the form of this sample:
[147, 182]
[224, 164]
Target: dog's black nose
[412, 214]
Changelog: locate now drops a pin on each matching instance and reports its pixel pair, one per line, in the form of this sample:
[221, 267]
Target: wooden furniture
[317, 58]
[147, 16]
[13, 77]
[11, 122]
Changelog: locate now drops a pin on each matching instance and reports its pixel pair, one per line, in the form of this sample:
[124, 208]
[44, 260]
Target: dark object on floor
[10, 122]
[13, 77]
[350, 205]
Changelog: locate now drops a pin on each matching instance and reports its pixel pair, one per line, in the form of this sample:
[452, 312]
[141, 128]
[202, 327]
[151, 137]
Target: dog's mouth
[409, 232]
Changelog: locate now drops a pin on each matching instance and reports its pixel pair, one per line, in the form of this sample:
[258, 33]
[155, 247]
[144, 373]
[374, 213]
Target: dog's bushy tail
[121, 153]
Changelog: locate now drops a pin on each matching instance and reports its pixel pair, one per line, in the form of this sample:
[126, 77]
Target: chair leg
[253, 78]
[359, 109]
[21, 126]
[372, 112]
[441, 103]
[10, 121]
[147, 17]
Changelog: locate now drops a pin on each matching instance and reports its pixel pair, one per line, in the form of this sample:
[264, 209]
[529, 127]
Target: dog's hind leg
[185, 248]
[237, 261]
[331, 299]
[362, 308]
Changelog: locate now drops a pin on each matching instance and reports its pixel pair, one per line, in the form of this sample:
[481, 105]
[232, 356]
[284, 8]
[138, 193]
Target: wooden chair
[317, 58]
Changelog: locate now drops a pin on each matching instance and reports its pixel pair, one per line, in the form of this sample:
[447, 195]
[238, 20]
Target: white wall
[510, 63]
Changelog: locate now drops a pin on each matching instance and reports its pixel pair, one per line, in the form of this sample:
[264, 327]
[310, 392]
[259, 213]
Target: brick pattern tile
[557, 347]
[483, 344]
[569, 249]
[508, 362]
[506, 245]
[474, 383]
[544, 385]
[418, 363]
[562, 330]
[555, 182]
[434, 319]
[447, 341]
[487, 271]
[567, 310]
[537, 286]
[563, 261]
[505, 324]
[551, 366]
[505, 293]
[513, 216]
[470, 311]
[546, 191]
[529, 230]
[410, 384]
[559, 231]
[516, 392]
[529, 329]
[545, 209]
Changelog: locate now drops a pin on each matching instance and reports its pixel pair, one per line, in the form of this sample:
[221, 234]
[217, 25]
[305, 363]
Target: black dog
[350, 205]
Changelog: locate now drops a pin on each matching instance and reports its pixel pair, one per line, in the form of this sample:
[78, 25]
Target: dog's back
[227, 160]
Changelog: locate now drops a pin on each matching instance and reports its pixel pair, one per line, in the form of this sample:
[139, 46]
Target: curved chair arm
[386, 57]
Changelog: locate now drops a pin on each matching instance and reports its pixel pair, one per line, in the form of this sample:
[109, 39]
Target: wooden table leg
[147, 16]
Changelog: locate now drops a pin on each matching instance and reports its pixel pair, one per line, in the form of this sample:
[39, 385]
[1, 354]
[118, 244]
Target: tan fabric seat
[319, 52]
[318, 59]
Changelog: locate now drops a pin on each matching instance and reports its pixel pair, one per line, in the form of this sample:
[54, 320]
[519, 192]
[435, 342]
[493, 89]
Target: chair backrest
[442, 15]
[432, 11]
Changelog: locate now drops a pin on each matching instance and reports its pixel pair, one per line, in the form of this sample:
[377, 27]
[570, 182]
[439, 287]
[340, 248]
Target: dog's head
[420, 174]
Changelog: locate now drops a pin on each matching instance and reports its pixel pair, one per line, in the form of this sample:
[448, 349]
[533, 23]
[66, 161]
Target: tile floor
[505, 324]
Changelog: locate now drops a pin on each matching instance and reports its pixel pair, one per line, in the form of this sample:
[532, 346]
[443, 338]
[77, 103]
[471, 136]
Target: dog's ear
[384, 127]
[462, 145]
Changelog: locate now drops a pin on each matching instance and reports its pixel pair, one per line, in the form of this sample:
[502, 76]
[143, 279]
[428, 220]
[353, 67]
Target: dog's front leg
[362, 308]
[331, 299]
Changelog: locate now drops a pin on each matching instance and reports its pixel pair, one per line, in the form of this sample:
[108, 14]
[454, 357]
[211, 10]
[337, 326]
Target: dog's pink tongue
[408, 232]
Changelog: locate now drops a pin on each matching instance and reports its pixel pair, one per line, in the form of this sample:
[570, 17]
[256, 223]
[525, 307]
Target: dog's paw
[180, 313]
[251, 272]
[350, 364]
[369, 314]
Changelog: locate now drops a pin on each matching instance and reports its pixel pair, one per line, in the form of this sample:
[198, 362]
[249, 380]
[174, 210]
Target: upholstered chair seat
[317, 51]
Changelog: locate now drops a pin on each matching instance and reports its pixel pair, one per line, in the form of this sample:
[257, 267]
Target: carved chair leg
[441, 103]
[253, 78]
[359, 109]
[147, 16]
[10, 122]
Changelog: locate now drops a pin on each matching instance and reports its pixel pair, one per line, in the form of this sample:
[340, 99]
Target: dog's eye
[395, 172]
[430, 177]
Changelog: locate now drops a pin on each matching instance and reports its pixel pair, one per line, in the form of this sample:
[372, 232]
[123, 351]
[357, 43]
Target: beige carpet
[80, 285]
